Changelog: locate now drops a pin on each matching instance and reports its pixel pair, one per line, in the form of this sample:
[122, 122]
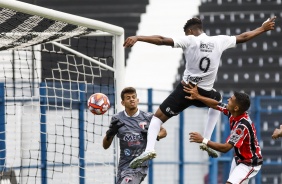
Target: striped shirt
[243, 137]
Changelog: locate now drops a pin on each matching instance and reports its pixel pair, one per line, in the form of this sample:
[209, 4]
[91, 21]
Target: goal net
[51, 62]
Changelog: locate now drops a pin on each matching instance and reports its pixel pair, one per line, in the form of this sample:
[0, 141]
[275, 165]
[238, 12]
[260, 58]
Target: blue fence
[266, 113]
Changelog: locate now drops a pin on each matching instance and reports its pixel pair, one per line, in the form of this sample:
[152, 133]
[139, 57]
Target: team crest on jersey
[128, 179]
[143, 124]
[236, 135]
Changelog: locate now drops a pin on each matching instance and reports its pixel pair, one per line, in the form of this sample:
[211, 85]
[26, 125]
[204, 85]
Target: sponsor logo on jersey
[194, 78]
[206, 47]
[133, 139]
[127, 152]
[128, 179]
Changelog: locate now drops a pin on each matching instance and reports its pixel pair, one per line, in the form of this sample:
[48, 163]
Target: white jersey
[202, 55]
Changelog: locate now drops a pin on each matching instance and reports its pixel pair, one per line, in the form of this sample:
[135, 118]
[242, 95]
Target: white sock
[153, 131]
[213, 116]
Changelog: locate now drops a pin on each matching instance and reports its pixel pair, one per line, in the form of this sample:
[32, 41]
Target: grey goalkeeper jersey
[132, 140]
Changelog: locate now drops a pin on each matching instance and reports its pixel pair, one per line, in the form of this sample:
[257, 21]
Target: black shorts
[176, 101]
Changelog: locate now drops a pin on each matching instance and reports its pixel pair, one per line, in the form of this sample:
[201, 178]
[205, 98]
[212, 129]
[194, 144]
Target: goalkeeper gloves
[113, 129]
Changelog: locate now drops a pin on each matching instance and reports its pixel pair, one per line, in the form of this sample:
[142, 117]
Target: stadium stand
[254, 67]
[123, 13]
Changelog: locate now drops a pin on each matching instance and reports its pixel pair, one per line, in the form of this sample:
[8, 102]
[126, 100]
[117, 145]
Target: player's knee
[159, 114]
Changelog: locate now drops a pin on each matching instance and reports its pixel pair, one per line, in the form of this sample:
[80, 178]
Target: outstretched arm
[156, 39]
[194, 95]
[221, 147]
[269, 24]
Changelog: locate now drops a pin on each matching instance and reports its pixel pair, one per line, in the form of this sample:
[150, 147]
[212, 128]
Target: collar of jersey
[203, 34]
[238, 118]
[134, 115]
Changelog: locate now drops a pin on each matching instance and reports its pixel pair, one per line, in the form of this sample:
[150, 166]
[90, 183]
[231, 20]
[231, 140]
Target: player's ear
[236, 108]
[122, 102]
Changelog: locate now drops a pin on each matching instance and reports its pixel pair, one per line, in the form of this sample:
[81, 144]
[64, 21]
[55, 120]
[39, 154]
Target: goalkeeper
[202, 56]
[130, 126]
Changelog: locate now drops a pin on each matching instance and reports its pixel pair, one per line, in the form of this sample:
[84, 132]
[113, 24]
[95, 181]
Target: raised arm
[193, 94]
[221, 147]
[155, 39]
[269, 24]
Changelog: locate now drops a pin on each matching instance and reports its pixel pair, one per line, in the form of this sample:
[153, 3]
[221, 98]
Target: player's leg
[149, 153]
[154, 128]
[242, 173]
[213, 116]
[171, 106]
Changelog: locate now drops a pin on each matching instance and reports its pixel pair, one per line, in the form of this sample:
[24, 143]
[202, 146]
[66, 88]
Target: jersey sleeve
[226, 42]
[238, 135]
[222, 107]
[182, 42]
[115, 117]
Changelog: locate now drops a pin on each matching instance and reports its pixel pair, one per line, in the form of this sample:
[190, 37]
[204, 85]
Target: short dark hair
[127, 90]
[193, 23]
[243, 101]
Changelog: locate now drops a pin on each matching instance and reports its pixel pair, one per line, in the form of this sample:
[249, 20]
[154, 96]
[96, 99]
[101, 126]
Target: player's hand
[277, 133]
[113, 129]
[195, 137]
[269, 24]
[192, 92]
[130, 41]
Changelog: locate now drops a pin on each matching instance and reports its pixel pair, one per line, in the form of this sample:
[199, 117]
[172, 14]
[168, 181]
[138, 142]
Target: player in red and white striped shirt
[247, 159]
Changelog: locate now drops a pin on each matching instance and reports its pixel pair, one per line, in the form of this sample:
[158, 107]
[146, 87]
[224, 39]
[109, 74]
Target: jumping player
[247, 159]
[202, 55]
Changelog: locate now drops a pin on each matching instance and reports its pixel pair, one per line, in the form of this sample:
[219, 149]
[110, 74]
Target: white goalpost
[51, 62]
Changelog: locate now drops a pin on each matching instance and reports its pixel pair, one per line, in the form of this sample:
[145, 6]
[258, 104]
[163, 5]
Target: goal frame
[103, 29]
[106, 29]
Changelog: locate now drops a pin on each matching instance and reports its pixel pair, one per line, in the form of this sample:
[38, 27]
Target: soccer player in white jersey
[202, 56]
